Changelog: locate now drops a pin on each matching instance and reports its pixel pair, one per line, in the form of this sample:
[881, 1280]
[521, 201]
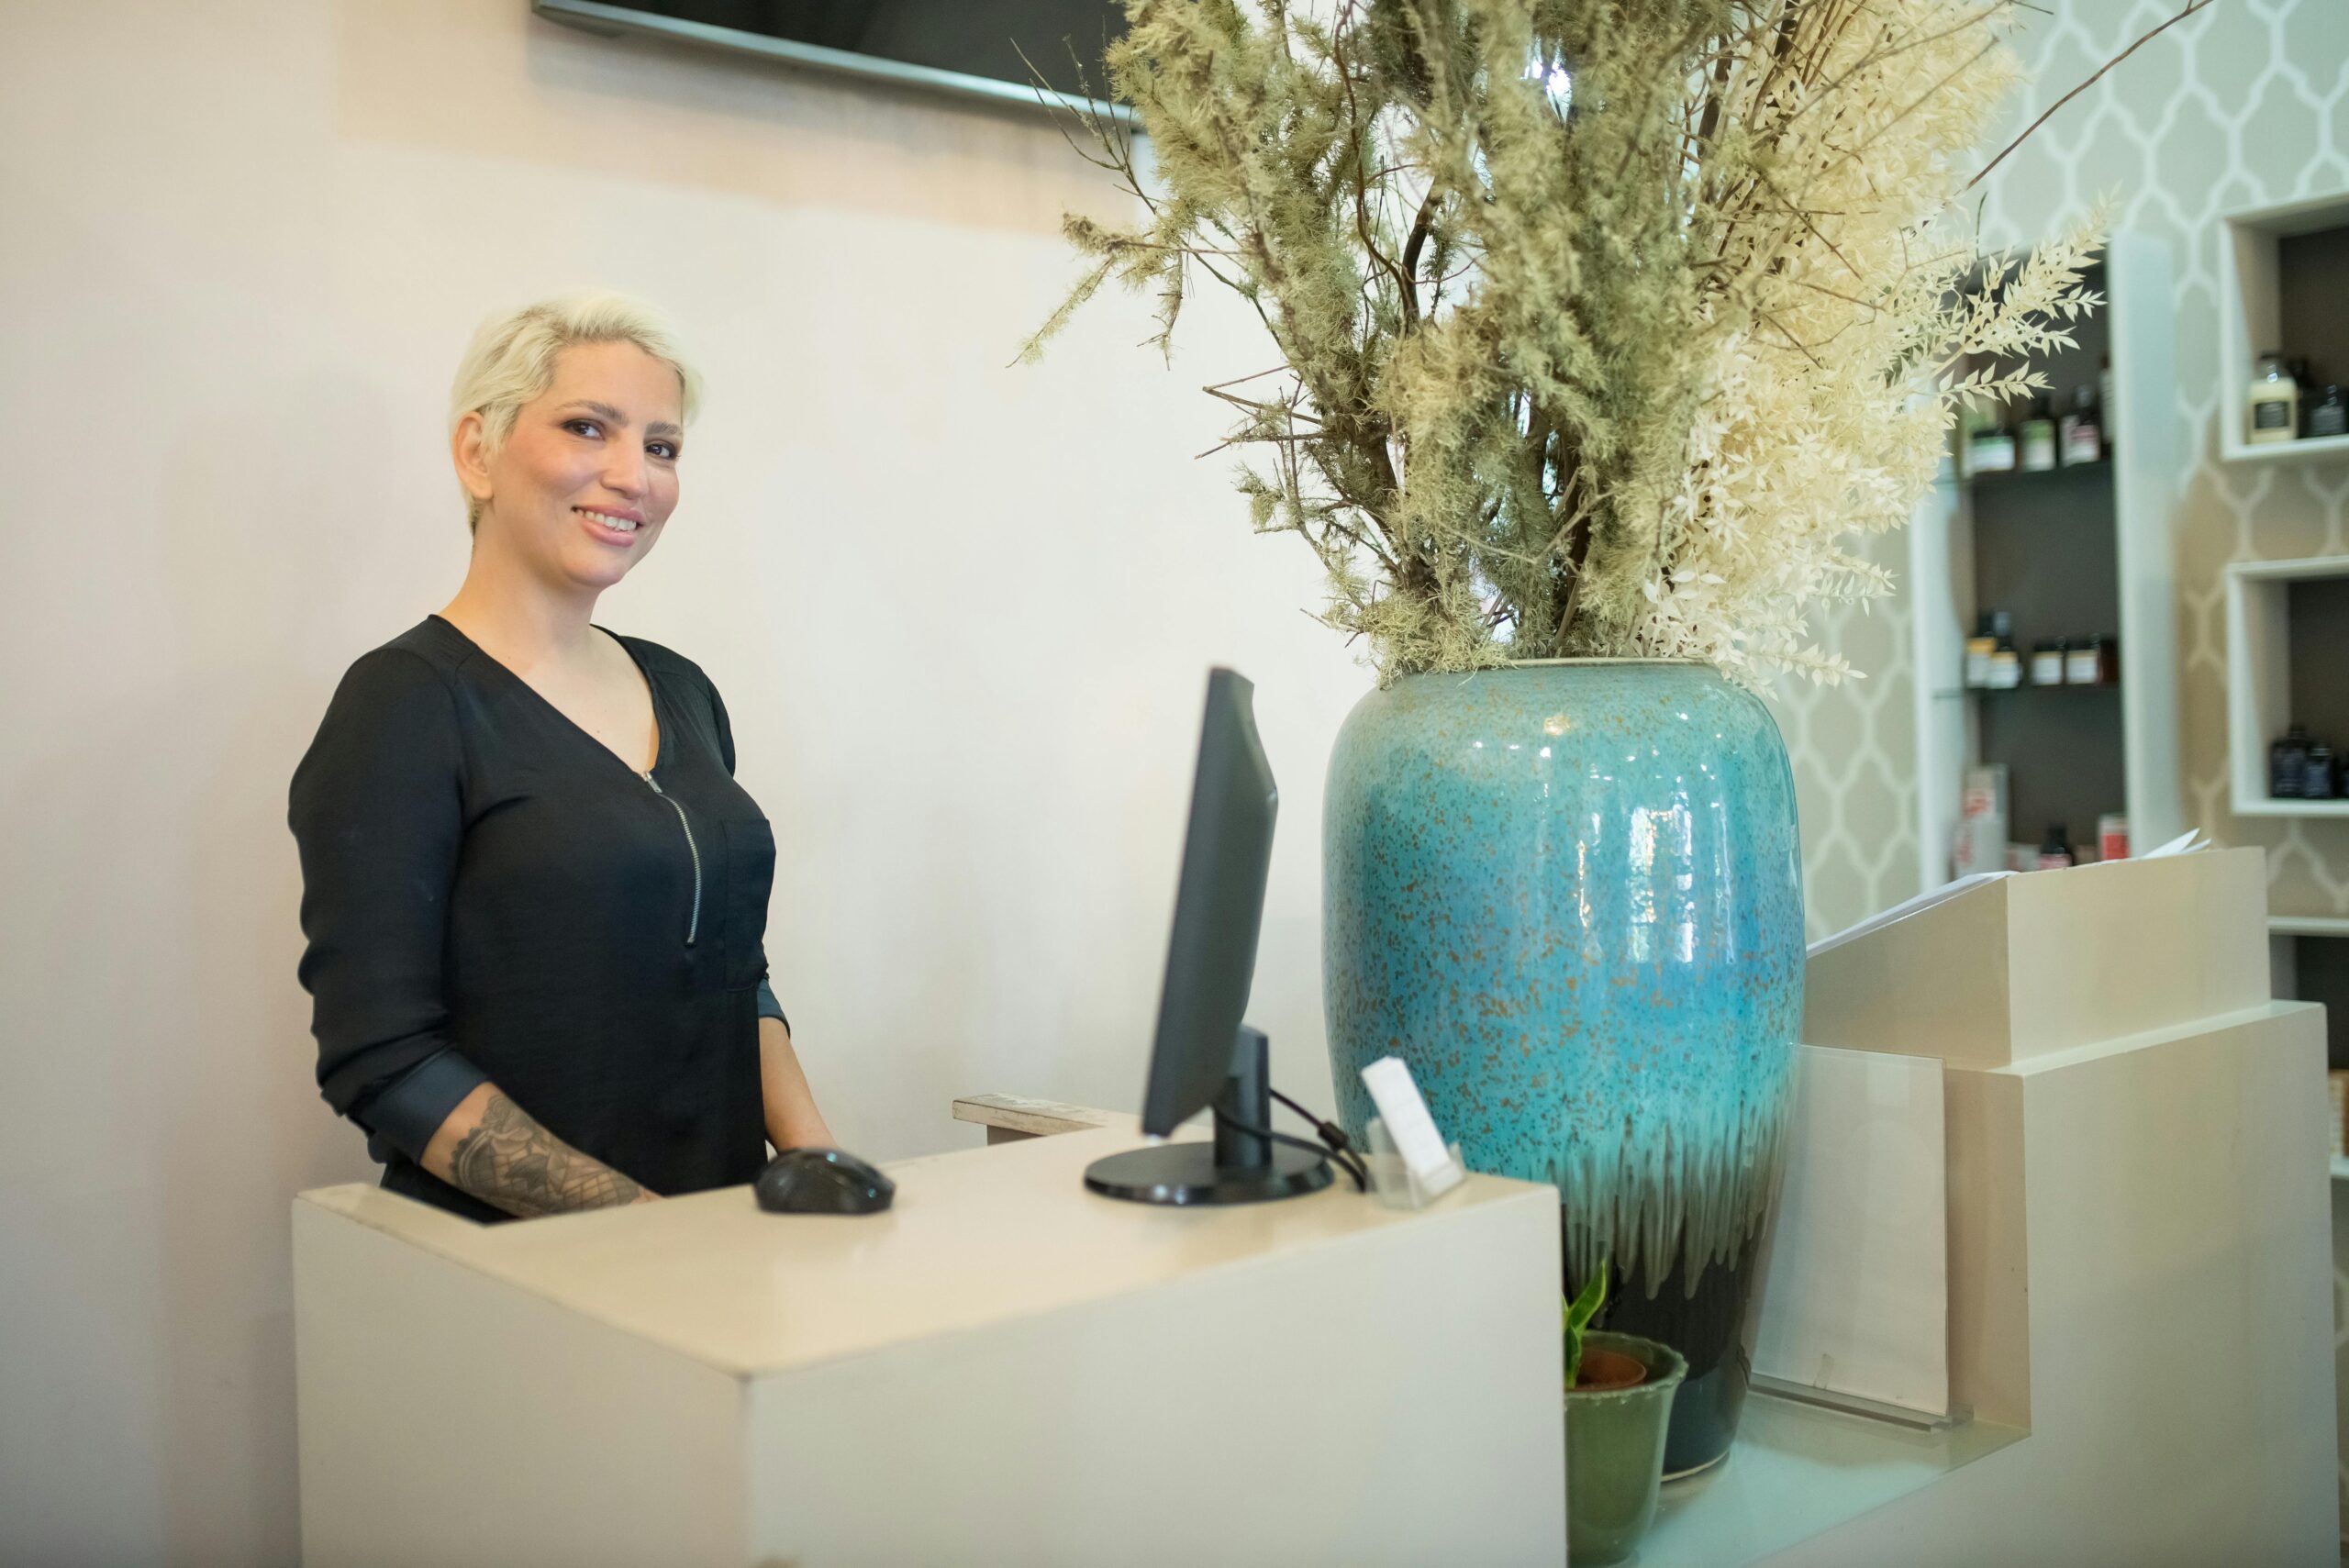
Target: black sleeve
[768, 1006]
[771, 1009]
[377, 812]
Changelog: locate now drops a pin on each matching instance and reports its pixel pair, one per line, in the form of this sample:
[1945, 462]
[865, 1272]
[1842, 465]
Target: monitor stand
[1236, 1167]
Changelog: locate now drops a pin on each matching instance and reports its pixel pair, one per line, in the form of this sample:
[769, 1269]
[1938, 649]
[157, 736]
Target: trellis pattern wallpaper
[1853, 746]
[2245, 105]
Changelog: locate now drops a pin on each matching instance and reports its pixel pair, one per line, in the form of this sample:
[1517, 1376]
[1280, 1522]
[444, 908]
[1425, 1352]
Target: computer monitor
[1203, 1055]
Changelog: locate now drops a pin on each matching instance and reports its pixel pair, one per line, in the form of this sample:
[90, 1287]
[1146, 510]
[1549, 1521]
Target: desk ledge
[1009, 1118]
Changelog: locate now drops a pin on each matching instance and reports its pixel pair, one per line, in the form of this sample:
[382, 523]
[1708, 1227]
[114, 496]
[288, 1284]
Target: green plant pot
[1614, 1452]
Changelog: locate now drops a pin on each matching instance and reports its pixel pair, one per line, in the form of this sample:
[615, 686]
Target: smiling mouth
[617, 525]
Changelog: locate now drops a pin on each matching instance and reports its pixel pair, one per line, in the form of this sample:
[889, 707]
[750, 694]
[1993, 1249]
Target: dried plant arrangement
[1606, 327]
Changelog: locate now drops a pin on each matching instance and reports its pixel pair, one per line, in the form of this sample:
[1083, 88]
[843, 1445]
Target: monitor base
[1186, 1174]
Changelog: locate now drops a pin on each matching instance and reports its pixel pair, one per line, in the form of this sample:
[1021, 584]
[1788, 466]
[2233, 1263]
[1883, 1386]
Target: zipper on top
[693, 922]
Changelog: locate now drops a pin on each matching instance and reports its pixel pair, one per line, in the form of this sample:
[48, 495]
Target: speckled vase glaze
[1569, 895]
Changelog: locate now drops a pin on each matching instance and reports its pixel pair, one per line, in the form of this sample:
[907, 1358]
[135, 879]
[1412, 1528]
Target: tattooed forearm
[510, 1160]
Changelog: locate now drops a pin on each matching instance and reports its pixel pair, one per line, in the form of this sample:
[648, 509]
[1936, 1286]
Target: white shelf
[2268, 806]
[2307, 925]
[2315, 449]
[2249, 319]
[2259, 678]
[2340, 1168]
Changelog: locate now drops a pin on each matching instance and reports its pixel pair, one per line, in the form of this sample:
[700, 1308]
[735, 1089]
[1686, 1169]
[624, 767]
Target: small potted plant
[1618, 1398]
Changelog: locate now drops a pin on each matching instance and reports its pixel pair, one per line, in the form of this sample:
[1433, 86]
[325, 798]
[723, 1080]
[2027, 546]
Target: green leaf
[1576, 1315]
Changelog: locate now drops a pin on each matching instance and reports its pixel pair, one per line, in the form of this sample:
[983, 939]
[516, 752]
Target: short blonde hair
[511, 360]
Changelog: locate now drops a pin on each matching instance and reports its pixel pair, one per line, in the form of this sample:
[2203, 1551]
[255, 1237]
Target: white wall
[961, 613]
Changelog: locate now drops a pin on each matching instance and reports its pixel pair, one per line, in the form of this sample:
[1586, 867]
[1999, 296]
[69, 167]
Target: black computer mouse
[822, 1180]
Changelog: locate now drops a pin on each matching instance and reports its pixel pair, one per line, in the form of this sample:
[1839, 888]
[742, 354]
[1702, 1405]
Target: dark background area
[2316, 636]
[2312, 282]
[979, 38]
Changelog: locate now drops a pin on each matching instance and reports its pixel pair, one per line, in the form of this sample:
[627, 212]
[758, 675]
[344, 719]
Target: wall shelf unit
[2288, 640]
[2278, 268]
[2084, 550]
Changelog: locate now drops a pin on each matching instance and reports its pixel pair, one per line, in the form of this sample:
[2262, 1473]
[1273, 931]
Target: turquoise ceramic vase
[1569, 895]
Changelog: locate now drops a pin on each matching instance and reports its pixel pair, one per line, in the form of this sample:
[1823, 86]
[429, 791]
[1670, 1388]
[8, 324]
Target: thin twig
[2191, 6]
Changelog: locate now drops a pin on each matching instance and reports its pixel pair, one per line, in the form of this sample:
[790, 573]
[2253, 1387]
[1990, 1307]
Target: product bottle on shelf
[2055, 849]
[2112, 837]
[2082, 435]
[2287, 764]
[2047, 662]
[2038, 440]
[1977, 652]
[2084, 661]
[1991, 449]
[2329, 415]
[2005, 663]
[2274, 401]
[2316, 778]
[1971, 420]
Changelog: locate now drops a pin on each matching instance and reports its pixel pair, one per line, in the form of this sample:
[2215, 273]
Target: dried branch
[1614, 361]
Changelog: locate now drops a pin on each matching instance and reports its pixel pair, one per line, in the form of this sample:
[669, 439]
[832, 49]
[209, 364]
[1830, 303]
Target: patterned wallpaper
[2245, 105]
[1855, 752]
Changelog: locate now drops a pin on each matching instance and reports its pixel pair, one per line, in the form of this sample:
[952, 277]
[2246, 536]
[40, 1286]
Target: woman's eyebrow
[613, 416]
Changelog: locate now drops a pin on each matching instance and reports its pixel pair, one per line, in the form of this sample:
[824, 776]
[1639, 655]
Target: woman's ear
[472, 463]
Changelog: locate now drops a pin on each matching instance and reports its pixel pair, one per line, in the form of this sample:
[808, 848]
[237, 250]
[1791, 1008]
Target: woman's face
[589, 474]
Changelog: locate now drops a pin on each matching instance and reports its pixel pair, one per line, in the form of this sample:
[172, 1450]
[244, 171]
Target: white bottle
[2275, 402]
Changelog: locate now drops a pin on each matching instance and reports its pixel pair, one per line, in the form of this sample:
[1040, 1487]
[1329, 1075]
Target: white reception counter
[1007, 1369]
[1002, 1368]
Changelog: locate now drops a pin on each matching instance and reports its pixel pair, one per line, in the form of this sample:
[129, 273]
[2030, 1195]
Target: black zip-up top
[488, 891]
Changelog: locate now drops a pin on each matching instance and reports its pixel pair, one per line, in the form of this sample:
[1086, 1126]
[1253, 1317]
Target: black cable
[1343, 1159]
[1330, 1132]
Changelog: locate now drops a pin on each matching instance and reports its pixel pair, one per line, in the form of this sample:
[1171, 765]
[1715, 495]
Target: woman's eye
[588, 427]
[662, 450]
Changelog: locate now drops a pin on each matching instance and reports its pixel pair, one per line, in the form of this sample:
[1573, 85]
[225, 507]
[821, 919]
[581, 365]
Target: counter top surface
[975, 1237]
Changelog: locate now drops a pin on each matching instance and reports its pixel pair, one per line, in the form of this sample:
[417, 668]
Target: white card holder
[1393, 1180]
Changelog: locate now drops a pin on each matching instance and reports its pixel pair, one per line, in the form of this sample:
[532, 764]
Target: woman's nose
[625, 472]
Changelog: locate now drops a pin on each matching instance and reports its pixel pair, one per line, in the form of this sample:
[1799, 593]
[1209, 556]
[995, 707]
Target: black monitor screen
[1219, 908]
[975, 37]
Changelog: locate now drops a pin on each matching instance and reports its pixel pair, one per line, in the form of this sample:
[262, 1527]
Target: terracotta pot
[1609, 1369]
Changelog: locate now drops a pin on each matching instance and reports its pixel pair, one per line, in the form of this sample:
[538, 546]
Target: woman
[535, 897]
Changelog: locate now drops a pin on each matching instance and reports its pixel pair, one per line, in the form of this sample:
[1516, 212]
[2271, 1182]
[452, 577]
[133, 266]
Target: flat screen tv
[971, 46]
